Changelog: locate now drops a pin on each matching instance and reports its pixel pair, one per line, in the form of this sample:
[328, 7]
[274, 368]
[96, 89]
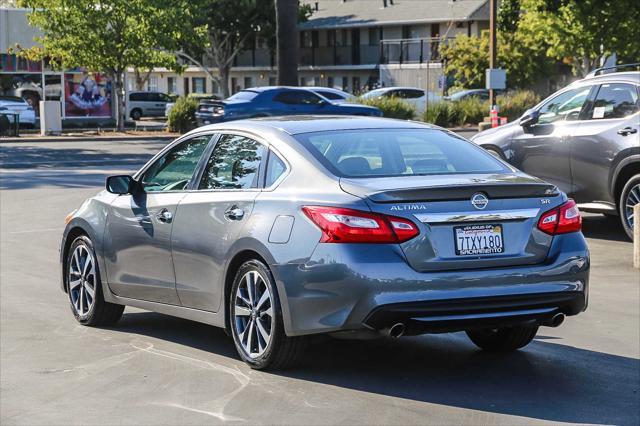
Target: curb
[89, 138]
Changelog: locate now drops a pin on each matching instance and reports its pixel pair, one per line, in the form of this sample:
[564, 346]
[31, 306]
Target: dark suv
[585, 139]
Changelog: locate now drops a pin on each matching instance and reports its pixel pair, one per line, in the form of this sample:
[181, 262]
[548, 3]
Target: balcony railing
[399, 51]
[412, 51]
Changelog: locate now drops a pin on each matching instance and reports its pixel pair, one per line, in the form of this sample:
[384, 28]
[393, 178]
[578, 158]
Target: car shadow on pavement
[603, 227]
[545, 381]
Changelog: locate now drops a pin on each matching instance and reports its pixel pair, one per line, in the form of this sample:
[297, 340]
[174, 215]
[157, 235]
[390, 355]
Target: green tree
[523, 58]
[582, 33]
[108, 36]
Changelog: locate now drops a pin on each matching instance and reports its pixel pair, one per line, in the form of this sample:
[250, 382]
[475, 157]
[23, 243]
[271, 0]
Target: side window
[285, 98]
[234, 164]
[566, 106]
[135, 97]
[330, 95]
[413, 94]
[615, 100]
[275, 169]
[309, 98]
[174, 170]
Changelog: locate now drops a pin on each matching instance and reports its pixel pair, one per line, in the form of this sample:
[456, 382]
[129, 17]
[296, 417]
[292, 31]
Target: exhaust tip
[396, 330]
[554, 321]
[557, 320]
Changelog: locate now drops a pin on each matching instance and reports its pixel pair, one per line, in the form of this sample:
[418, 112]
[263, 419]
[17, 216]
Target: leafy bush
[514, 103]
[391, 107]
[182, 116]
[469, 111]
[440, 113]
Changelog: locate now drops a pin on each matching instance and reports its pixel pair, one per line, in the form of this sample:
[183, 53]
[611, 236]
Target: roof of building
[358, 13]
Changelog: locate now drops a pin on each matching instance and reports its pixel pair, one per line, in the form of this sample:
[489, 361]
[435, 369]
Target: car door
[156, 104]
[137, 241]
[543, 149]
[611, 124]
[210, 218]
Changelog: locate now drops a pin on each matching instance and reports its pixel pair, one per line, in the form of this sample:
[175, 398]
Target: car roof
[629, 76]
[267, 88]
[298, 124]
[399, 88]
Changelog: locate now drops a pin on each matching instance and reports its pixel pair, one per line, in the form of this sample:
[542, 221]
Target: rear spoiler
[464, 192]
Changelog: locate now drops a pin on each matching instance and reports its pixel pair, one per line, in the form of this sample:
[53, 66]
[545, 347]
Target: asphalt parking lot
[154, 369]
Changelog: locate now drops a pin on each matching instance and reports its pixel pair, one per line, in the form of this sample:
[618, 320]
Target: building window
[172, 85]
[345, 83]
[272, 81]
[331, 38]
[305, 38]
[330, 82]
[234, 85]
[356, 84]
[152, 83]
[374, 36]
[343, 38]
[199, 85]
[303, 81]
[248, 82]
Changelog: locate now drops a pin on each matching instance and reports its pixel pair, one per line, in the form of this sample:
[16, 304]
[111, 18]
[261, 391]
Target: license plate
[478, 239]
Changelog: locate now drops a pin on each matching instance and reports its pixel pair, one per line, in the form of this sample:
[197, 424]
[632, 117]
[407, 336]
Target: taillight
[340, 225]
[561, 220]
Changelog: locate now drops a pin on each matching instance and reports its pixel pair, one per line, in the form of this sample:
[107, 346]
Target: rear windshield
[243, 95]
[393, 152]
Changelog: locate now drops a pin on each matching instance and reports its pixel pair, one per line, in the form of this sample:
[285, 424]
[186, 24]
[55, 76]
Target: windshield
[243, 95]
[394, 152]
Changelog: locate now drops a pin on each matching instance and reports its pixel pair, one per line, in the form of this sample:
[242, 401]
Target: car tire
[629, 197]
[98, 312]
[503, 339]
[136, 114]
[251, 320]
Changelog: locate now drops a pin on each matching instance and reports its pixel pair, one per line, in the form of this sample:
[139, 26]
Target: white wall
[15, 29]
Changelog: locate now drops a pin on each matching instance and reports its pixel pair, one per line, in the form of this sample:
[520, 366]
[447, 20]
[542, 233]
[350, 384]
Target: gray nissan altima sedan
[280, 228]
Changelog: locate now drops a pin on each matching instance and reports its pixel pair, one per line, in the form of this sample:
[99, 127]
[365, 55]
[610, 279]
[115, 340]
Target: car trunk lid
[500, 230]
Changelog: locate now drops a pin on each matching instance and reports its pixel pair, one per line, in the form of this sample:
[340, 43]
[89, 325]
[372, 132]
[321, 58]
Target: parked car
[281, 228]
[482, 94]
[334, 95]
[10, 105]
[412, 95]
[584, 139]
[201, 98]
[275, 101]
[147, 104]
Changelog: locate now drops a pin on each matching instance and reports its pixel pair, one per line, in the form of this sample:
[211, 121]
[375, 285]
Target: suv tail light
[340, 225]
[561, 220]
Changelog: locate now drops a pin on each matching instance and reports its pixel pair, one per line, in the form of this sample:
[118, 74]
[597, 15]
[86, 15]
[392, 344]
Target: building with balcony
[355, 44]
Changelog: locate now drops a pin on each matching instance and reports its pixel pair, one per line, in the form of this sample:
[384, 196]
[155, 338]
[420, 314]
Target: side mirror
[529, 118]
[121, 184]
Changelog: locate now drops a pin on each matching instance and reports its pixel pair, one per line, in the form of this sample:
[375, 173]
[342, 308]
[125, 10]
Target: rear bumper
[355, 287]
[204, 119]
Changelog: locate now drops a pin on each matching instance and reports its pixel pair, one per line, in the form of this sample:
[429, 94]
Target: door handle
[627, 131]
[234, 213]
[164, 216]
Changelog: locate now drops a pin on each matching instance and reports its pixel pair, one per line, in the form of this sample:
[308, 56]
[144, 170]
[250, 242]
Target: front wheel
[629, 197]
[85, 288]
[256, 320]
[503, 339]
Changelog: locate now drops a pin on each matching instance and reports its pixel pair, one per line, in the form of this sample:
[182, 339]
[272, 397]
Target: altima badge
[479, 200]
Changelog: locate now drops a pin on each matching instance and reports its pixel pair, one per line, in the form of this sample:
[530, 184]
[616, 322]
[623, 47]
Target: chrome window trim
[497, 215]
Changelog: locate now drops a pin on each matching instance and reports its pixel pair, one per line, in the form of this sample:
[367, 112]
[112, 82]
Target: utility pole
[493, 7]
[287, 41]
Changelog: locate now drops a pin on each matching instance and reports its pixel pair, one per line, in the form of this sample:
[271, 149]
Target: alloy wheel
[253, 314]
[633, 198]
[82, 280]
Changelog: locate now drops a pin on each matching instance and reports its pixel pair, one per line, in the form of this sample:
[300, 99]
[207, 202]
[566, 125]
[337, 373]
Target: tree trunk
[223, 81]
[287, 42]
[120, 101]
[141, 78]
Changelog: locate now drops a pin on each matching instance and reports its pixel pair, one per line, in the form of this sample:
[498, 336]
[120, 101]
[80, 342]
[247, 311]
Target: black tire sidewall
[136, 113]
[277, 334]
[89, 318]
[634, 180]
